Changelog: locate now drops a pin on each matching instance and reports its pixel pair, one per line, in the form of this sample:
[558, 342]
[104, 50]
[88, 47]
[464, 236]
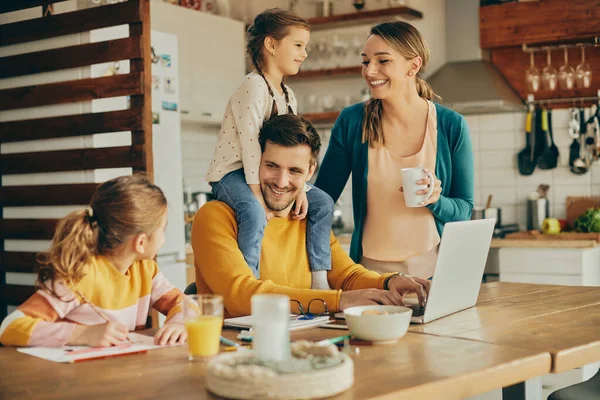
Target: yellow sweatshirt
[284, 269]
[48, 321]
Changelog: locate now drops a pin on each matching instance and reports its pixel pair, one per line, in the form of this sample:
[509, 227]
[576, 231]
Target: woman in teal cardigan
[399, 127]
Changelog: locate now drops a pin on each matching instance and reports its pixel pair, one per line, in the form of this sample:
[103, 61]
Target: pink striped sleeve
[34, 323]
[166, 298]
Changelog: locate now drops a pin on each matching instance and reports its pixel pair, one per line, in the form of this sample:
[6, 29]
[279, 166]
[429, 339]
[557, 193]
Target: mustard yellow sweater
[284, 269]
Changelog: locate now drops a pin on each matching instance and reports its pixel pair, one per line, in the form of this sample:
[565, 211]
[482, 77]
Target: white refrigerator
[166, 139]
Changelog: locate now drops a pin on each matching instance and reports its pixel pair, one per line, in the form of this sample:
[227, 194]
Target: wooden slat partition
[73, 160]
[69, 92]
[137, 118]
[143, 137]
[16, 261]
[70, 23]
[26, 228]
[16, 5]
[71, 125]
[70, 57]
[47, 195]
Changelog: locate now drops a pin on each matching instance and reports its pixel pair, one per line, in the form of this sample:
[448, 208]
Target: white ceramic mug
[410, 176]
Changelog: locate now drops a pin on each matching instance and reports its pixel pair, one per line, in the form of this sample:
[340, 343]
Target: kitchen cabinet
[211, 54]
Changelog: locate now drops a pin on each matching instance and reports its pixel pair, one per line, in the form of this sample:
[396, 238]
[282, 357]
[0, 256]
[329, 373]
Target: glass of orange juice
[203, 316]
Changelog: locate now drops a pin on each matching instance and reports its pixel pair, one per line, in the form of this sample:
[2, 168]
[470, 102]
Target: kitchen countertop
[543, 244]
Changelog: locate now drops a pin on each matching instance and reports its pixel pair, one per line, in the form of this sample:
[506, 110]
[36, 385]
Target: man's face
[283, 172]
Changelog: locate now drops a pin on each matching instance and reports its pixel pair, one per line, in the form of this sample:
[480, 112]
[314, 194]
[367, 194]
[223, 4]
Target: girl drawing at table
[98, 280]
[276, 45]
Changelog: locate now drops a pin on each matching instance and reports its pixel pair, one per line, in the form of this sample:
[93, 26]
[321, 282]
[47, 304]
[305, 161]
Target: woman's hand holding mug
[417, 187]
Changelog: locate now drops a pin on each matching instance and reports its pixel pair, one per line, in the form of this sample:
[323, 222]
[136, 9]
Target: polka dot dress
[237, 146]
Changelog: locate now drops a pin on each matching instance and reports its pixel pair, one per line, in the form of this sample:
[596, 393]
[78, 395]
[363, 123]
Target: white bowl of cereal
[378, 324]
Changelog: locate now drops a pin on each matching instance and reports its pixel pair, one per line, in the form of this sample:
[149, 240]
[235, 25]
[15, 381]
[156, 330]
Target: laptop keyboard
[418, 310]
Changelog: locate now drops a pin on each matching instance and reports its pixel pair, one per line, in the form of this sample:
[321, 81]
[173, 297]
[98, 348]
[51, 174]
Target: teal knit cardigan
[347, 154]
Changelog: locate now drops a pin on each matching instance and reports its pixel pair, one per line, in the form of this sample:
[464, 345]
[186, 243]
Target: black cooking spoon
[525, 159]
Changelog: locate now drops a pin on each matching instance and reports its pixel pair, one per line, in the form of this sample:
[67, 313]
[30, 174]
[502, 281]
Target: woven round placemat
[229, 376]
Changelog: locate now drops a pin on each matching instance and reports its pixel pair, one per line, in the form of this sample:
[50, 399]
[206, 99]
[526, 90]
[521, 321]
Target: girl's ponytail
[74, 243]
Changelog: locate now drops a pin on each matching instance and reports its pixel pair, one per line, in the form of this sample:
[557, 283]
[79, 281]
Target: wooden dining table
[416, 367]
[562, 320]
[492, 345]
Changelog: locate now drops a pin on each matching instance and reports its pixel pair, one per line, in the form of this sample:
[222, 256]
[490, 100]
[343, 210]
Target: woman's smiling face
[385, 70]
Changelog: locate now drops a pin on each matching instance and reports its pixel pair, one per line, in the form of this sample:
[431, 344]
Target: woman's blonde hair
[406, 40]
[121, 208]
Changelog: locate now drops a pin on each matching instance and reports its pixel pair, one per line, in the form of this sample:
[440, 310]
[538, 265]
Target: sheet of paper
[69, 354]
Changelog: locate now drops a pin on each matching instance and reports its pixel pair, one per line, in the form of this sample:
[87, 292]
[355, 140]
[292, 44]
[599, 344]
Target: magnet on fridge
[169, 84]
[169, 106]
[155, 82]
[165, 60]
[155, 118]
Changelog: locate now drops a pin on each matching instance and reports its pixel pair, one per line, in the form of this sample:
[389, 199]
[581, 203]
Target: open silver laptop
[459, 269]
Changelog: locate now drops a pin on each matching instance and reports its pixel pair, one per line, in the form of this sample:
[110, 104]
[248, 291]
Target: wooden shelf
[364, 17]
[316, 73]
[321, 118]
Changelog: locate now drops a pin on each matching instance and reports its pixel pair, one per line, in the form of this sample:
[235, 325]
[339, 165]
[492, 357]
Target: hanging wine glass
[566, 74]
[583, 72]
[532, 76]
[549, 74]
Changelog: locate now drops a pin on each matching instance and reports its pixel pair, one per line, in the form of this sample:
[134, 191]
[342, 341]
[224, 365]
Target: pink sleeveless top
[394, 233]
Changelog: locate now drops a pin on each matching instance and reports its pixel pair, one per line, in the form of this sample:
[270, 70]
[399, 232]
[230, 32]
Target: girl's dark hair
[275, 23]
[121, 208]
[408, 42]
[290, 130]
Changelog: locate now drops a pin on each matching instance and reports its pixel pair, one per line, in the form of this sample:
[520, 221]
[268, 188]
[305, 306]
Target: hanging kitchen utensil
[549, 158]
[525, 159]
[541, 138]
[580, 164]
[574, 127]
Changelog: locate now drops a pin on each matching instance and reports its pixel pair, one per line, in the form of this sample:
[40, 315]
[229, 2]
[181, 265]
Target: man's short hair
[290, 130]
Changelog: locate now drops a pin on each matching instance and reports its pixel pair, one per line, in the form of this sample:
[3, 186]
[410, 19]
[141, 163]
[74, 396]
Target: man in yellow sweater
[290, 146]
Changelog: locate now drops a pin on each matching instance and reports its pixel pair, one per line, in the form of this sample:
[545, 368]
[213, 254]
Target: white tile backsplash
[496, 170]
[497, 122]
[498, 177]
[497, 140]
[496, 159]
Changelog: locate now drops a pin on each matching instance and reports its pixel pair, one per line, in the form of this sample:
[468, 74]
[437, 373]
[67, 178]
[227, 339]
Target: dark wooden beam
[71, 125]
[70, 57]
[15, 294]
[143, 101]
[69, 23]
[71, 91]
[16, 261]
[72, 160]
[16, 5]
[26, 228]
[47, 195]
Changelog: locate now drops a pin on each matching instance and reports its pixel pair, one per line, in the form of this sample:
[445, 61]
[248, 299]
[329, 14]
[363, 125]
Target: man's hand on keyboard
[403, 284]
